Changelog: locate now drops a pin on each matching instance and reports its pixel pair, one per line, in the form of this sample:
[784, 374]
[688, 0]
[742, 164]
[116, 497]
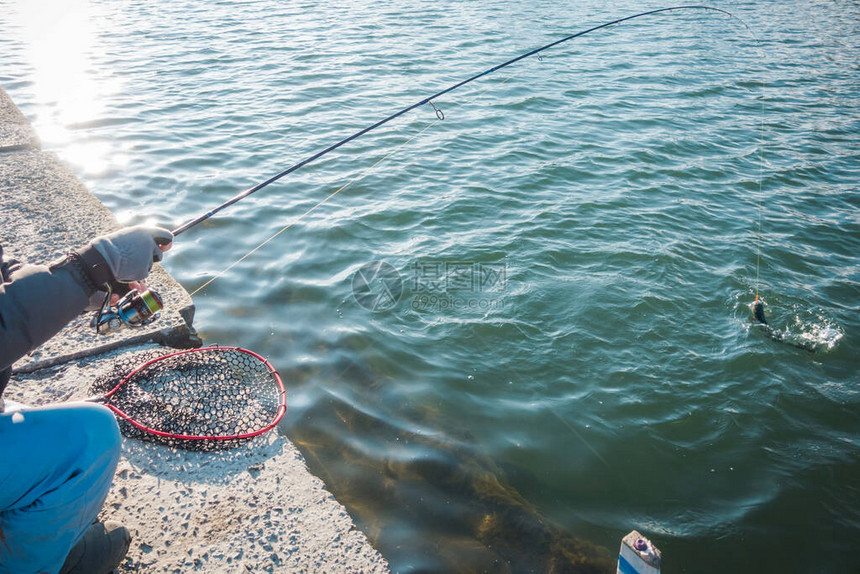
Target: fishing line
[760, 194]
[760, 177]
[440, 115]
[757, 306]
[317, 205]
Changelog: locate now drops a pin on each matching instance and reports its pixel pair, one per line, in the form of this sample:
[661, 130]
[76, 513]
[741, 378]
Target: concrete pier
[255, 508]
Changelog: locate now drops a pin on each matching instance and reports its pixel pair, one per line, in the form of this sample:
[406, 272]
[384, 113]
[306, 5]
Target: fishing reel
[134, 309]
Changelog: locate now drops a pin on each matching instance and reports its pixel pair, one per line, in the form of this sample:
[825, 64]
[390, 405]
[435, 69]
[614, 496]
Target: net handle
[282, 406]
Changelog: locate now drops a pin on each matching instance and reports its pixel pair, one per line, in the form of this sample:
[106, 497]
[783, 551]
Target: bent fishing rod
[136, 309]
[429, 100]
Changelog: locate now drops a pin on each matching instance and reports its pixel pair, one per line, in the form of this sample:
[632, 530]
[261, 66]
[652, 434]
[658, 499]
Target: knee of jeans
[99, 429]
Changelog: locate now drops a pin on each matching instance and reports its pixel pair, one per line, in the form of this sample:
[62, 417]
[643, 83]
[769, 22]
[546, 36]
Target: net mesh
[204, 399]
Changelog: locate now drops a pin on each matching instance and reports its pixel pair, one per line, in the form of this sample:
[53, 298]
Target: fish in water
[776, 335]
[758, 311]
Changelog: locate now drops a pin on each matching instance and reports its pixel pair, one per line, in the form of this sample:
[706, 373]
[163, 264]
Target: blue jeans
[56, 467]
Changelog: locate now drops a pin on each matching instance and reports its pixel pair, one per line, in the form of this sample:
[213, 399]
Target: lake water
[526, 331]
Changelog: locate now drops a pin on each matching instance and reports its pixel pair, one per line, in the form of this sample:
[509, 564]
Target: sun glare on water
[61, 42]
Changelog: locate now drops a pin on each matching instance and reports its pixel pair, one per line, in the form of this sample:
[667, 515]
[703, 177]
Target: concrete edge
[16, 133]
[254, 508]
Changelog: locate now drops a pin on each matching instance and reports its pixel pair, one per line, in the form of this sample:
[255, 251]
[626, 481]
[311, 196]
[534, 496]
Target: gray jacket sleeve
[35, 303]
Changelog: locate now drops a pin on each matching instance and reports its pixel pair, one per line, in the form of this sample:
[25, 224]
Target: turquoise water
[571, 355]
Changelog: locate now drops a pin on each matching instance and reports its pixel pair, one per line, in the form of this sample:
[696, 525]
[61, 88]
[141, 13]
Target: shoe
[101, 549]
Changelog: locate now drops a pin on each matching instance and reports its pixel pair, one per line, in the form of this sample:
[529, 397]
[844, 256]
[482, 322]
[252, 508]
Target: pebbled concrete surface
[16, 133]
[255, 508]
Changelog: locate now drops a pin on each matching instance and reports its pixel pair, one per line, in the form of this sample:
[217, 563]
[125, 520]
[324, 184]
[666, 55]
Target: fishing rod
[136, 309]
[429, 100]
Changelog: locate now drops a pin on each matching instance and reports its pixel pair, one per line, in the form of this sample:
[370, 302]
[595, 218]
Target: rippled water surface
[570, 354]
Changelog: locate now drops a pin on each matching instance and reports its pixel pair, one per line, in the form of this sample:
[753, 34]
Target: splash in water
[809, 330]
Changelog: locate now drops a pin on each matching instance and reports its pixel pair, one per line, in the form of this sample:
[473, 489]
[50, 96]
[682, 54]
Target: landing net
[199, 399]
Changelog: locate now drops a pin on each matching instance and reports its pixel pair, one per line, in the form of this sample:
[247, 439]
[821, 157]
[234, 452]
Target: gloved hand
[130, 252]
[123, 256]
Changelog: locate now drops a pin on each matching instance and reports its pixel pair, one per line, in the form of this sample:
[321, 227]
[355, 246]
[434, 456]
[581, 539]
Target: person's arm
[36, 304]
[39, 301]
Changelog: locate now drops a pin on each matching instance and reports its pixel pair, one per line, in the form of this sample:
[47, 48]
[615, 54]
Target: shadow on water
[395, 477]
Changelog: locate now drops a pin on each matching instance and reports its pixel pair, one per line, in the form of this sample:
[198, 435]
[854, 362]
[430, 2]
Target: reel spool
[134, 309]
